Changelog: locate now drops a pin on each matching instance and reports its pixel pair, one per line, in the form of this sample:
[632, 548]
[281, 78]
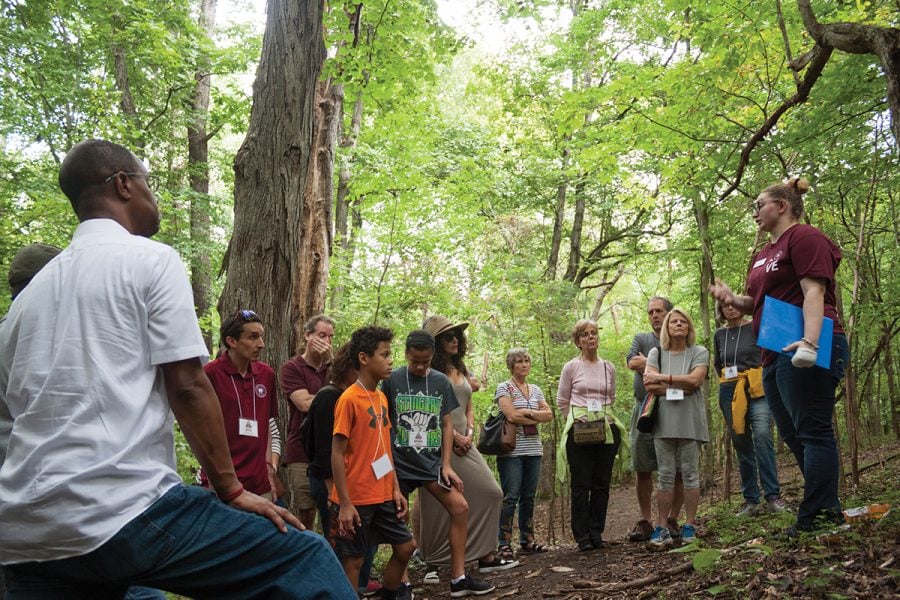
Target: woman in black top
[747, 414]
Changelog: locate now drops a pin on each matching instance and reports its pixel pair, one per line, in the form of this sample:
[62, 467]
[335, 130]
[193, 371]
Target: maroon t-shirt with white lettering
[801, 251]
[251, 397]
[297, 374]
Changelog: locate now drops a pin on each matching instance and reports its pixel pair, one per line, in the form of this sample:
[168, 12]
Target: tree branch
[817, 65]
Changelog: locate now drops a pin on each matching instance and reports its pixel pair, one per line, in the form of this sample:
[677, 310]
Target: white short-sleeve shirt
[92, 444]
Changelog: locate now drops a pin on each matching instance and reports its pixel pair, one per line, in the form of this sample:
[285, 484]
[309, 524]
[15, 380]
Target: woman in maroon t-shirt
[798, 266]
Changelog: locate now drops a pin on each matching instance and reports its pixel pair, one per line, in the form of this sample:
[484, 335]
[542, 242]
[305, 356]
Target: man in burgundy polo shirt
[301, 378]
[246, 390]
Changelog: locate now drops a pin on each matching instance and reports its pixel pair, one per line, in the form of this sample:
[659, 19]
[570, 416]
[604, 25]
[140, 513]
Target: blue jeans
[519, 477]
[755, 449]
[802, 402]
[190, 543]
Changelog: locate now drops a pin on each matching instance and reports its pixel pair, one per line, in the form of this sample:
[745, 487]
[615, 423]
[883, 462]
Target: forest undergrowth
[734, 557]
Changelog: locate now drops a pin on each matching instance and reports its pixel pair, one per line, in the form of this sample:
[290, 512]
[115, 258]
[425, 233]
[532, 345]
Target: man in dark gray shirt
[643, 455]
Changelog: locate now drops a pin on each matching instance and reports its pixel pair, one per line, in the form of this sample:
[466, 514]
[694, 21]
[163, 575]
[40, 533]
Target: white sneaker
[431, 577]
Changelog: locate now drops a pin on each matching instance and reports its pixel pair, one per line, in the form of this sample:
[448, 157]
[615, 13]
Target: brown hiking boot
[674, 529]
[641, 531]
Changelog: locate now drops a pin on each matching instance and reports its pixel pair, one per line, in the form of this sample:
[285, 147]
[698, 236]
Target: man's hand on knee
[252, 503]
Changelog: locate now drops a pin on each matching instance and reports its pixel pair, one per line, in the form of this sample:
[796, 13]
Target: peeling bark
[271, 171]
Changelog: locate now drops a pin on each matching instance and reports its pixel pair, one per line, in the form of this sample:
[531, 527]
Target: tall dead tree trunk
[311, 285]
[198, 169]
[271, 171]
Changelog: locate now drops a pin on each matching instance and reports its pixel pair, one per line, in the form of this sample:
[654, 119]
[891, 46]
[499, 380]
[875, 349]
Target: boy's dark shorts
[380, 525]
[408, 486]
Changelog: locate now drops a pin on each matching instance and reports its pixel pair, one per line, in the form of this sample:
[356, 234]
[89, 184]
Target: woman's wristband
[230, 497]
[470, 429]
[807, 341]
[670, 379]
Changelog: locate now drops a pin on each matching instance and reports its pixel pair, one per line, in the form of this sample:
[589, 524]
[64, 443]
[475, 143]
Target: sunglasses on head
[245, 314]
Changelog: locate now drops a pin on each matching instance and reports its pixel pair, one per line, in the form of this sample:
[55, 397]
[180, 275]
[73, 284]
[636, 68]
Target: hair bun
[799, 184]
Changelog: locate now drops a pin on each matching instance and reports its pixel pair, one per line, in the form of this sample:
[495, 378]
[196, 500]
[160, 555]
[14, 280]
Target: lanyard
[238, 397]
[376, 414]
[526, 398]
[409, 387]
[737, 344]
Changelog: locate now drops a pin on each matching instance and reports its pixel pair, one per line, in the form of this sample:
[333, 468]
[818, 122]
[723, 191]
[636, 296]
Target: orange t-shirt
[362, 417]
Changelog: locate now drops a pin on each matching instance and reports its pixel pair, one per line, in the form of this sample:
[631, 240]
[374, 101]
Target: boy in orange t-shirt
[367, 506]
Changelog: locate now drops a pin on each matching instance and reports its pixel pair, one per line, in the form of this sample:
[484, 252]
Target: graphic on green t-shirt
[419, 421]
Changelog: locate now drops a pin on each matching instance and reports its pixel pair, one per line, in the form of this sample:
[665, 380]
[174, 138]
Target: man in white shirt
[95, 355]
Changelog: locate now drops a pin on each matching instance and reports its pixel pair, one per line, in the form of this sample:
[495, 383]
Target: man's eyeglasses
[246, 315]
[152, 179]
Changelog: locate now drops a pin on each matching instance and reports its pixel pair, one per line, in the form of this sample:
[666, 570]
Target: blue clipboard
[782, 324]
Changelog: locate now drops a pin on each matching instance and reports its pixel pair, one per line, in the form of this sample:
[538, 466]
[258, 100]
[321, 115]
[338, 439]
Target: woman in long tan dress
[481, 489]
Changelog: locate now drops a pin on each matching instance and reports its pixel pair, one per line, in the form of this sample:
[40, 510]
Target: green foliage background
[638, 110]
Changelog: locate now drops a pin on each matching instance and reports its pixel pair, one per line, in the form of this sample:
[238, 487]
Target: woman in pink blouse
[587, 389]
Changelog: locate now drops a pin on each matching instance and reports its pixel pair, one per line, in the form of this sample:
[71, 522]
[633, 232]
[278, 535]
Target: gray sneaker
[748, 510]
[776, 505]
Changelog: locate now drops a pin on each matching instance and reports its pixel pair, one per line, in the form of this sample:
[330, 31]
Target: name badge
[382, 466]
[594, 404]
[674, 394]
[759, 263]
[418, 440]
[730, 372]
[248, 427]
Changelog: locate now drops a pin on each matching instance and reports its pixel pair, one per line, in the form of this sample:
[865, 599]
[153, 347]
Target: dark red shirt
[801, 251]
[250, 397]
[297, 374]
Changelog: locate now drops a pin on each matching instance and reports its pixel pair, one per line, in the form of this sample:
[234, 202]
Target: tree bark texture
[311, 285]
[198, 168]
[271, 171]
[575, 236]
[559, 216]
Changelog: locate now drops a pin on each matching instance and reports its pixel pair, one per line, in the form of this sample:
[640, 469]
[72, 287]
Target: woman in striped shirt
[523, 404]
